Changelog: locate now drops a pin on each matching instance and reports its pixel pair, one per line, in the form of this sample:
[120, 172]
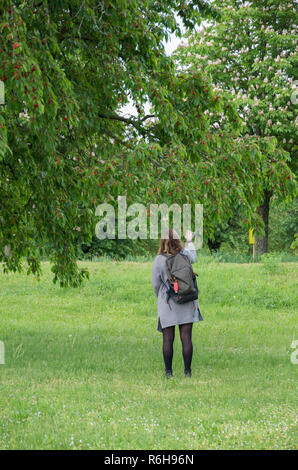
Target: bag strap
[168, 295]
[167, 268]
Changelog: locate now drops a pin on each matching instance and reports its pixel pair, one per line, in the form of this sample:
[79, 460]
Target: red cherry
[16, 45]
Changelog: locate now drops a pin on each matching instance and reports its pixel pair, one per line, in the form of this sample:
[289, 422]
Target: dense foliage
[68, 68]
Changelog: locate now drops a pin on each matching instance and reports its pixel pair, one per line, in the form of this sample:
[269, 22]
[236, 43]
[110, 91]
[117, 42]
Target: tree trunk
[263, 211]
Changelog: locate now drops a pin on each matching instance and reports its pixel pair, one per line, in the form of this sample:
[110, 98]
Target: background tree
[251, 56]
[283, 224]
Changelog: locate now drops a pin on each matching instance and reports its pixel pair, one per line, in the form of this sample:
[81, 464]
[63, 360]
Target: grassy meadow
[84, 370]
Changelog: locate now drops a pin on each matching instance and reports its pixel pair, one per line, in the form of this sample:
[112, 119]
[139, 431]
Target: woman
[169, 312]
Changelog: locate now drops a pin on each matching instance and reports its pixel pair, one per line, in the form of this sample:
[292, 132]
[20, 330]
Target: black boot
[169, 373]
[187, 373]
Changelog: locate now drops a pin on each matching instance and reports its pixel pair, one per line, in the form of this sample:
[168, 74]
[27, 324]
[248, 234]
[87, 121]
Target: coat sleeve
[156, 277]
[190, 252]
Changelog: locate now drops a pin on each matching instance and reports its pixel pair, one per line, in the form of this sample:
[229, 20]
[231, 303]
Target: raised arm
[190, 250]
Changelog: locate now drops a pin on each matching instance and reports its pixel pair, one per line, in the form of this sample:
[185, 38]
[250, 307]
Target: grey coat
[178, 313]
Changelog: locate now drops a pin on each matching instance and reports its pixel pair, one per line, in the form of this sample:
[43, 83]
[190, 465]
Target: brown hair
[170, 243]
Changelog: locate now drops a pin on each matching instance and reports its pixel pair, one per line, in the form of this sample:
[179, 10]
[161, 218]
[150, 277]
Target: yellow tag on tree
[251, 237]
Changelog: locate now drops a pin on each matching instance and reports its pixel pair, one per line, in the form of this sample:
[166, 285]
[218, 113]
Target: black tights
[187, 348]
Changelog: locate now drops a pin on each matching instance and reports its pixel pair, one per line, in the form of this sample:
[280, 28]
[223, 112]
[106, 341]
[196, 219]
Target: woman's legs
[187, 348]
[167, 347]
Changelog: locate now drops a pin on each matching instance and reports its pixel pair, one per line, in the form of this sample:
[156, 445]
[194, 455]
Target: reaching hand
[188, 236]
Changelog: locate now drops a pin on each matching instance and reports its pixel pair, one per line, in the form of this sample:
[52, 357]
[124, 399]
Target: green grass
[84, 366]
